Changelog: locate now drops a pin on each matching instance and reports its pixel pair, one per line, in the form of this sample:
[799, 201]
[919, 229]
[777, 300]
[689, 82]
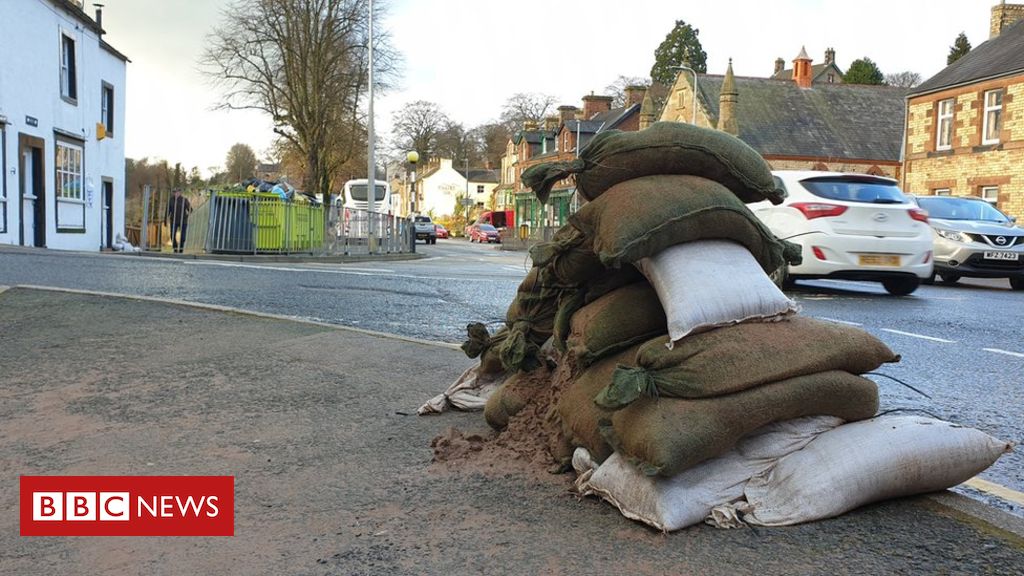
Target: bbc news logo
[127, 506]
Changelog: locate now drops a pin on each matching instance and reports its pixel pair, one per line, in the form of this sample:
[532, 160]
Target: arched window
[876, 171]
[820, 166]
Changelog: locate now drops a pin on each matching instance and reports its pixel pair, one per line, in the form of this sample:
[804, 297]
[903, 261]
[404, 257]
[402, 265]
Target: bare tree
[525, 107]
[617, 89]
[903, 79]
[240, 162]
[304, 63]
[417, 127]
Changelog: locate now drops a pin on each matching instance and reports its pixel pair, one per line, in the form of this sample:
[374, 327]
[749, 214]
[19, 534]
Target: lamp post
[371, 164]
[693, 120]
[412, 158]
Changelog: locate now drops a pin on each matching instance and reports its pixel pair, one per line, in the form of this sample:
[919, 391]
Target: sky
[470, 56]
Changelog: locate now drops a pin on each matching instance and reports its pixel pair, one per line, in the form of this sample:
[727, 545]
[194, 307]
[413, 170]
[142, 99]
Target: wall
[969, 165]
[30, 86]
[888, 170]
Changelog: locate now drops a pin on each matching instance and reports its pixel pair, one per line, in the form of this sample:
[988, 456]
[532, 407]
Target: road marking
[921, 336]
[349, 271]
[514, 268]
[994, 489]
[1007, 352]
[839, 321]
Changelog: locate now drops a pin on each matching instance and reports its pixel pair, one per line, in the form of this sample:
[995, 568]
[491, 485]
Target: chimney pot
[780, 65]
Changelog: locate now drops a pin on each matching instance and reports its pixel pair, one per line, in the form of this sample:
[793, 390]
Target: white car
[851, 227]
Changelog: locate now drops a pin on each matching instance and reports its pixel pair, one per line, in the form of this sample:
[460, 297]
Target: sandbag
[614, 156]
[578, 414]
[712, 283]
[736, 358]
[469, 393]
[687, 498]
[863, 462]
[509, 399]
[665, 436]
[616, 321]
[530, 320]
[572, 300]
[480, 343]
[568, 260]
[674, 210]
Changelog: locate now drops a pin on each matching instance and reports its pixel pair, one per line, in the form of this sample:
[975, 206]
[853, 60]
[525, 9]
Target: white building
[62, 97]
[441, 186]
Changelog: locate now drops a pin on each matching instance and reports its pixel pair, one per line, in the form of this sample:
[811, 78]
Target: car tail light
[927, 257]
[812, 210]
[918, 214]
[818, 253]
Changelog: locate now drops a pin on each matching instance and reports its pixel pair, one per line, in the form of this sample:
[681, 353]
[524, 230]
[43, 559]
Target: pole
[371, 169]
[465, 203]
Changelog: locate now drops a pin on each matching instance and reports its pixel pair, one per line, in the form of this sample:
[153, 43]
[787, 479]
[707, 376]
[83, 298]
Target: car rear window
[488, 228]
[865, 189]
[422, 219]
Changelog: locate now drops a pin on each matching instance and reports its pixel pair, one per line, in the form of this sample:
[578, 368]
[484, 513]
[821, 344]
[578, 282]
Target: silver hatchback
[974, 239]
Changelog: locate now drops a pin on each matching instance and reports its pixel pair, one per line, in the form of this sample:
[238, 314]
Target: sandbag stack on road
[676, 352]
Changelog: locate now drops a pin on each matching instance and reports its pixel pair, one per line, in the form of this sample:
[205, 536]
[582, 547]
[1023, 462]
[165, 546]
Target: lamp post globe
[412, 157]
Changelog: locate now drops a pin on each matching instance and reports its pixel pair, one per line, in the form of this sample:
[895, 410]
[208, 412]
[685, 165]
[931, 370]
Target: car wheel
[901, 286]
[1017, 283]
[949, 278]
[929, 280]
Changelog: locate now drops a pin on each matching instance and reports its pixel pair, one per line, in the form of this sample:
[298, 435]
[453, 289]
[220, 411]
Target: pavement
[334, 473]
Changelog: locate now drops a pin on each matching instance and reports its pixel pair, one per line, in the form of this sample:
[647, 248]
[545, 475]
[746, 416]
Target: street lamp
[412, 158]
[694, 105]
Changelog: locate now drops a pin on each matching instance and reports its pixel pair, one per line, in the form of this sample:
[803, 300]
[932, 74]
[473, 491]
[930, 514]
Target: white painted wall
[30, 86]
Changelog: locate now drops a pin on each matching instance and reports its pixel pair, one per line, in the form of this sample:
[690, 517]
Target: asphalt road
[961, 345]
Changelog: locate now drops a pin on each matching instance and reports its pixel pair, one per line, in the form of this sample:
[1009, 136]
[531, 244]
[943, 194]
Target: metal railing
[240, 222]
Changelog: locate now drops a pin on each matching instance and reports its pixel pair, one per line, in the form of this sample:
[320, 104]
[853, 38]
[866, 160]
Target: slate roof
[480, 175]
[999, 56]
[777, 117]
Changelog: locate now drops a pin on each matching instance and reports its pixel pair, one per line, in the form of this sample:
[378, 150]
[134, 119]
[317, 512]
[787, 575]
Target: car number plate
[1002, 256]
[879, 259]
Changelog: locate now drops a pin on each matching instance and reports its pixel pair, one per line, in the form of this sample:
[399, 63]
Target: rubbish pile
[675, 377]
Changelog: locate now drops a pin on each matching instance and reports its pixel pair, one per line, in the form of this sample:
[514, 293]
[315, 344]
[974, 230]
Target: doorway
[31, 187]
[108, 213]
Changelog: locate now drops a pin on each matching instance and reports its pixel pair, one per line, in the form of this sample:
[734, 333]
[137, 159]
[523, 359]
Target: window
[479, 188]
[942, 192]
[831, 78]
[944, 126]
[68, 75]
[69, 171]
[990, 194]
[107, 108]
[993, 117]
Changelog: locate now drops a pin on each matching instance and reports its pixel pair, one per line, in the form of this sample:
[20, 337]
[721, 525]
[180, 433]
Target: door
[108, 214]
[31, 191]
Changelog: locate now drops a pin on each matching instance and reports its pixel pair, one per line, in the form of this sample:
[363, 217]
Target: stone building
[965, 125]
[797, 119]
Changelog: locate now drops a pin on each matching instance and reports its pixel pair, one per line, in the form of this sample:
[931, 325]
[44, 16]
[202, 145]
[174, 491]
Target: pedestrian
[178, 210]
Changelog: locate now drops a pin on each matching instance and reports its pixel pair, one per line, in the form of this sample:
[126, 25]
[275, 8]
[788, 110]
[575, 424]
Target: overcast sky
[470, 56]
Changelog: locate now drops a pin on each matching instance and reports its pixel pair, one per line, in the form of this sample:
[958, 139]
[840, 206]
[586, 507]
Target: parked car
[974, 239]
[484, 233]
[851, 227]
[441, 231]
[424, 229]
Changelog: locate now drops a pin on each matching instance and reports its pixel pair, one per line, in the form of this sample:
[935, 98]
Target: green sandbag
[530, 319]
[567, 260]
[579, 416]
[613, 156]
[618, 320]
[572, 300]
[742, 356]
[675, 210]
[665, 436]
[484, 345]
[505, 402]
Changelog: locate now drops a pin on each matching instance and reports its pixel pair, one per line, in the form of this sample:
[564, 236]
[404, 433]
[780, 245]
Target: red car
[442, 232]
[484, 233]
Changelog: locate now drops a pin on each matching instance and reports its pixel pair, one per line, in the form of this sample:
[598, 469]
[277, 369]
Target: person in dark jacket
[178, 210]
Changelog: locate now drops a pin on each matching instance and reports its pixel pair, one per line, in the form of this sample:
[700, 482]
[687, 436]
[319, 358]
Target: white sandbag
[863, 462]
[687, 498]
[468, 393]
[711, 283]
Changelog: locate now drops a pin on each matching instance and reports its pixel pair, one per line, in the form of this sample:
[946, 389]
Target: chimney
[551, 123]
[830, 56]
[566, 113]
[780, 65]
[727, 100]
[634, 95]
[1003, 16]
[802, 69]
[595, 105]
[530, 125]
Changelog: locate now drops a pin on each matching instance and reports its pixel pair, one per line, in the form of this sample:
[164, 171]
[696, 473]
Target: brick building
[558, 140]
[965, 125]
[799, 122]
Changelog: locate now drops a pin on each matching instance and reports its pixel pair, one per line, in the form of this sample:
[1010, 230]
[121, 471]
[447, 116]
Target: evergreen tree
[959, 49]
[681, 46]
[863, 71]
